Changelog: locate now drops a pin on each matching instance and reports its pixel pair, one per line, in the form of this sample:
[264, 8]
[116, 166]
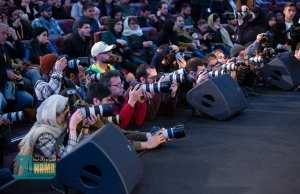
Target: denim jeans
[5, 176]
[23, 100]
[33, 75]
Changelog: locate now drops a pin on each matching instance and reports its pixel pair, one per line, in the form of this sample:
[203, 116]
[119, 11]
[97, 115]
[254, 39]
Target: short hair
[298, 46]
[159, 5]
[86, 6]
[11, 9]
[289, 4]
[145, 8]
[97, 90]
[218, 51]
[193, 63]
[107, 75]
[185, 5]
[142, 70]
[201, 22]
[178, 17]
[209, 57]
[81, 23]
[134, 19]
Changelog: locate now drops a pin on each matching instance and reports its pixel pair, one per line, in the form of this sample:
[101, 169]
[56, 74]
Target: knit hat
[38, 30]
[236, 48]
[47, 62]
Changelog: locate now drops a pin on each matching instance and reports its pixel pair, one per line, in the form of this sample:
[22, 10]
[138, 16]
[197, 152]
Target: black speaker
[282, 72]
[105, 162]
[220, 97]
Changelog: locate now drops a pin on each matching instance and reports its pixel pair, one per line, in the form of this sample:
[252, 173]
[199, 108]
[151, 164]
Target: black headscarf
[268, 18]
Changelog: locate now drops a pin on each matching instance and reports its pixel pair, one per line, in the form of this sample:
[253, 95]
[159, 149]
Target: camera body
[19, 81]
[74, 63]
[186, 55]
[266, 37]
[239, 15]
[173, 132]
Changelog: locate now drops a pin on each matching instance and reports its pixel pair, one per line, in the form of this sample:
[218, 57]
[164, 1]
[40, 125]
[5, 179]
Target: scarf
[46, 123]
[128, 32]
[225, 36]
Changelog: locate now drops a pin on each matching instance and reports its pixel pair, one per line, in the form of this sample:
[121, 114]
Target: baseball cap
[45, 6]
[101, 47]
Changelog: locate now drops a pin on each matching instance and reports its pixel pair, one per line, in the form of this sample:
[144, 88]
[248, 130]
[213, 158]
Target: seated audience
[186, 14]
[47, 21]
[58, 12]
[162, 14]
[202, 36]
[128, 10]
[116, 13]
[39, 45]
[28, 10]
[139, 42]
[22, 98]
[279, 14]
[220, 37]
[168, 34]
[231, 28]
[88, 15]
[271, 20]
[146, 19]
[76, 10]
[105, 7]
[171, 6]
[23, 29]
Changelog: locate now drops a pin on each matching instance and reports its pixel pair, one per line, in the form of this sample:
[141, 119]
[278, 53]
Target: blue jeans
[33, 75]
[5, 176]
[23, 100]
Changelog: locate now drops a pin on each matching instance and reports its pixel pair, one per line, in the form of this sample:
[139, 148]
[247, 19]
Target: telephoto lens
[230, 67]
[14, 116]
[116, 119]
[257, 59]
[156, 87]
[95, 77]
[173, 132]
[104, 110]
[213, 74]
[178, 78]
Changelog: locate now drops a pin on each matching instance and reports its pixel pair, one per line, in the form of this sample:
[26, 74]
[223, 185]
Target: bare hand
[155, 140]
[61, 64]
[175, 48]
[181, 63]
[122, 42]
[202, 77]
[173, 88]
[81, 70]
[129, 77]
[286, 47]
[92, 119]
[134, 95]
[259, 37]
[75, 119]
[13, 33]
[11, 75]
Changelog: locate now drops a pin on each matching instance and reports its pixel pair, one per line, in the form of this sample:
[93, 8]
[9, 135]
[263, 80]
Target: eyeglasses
[18, 13]
[121, 84]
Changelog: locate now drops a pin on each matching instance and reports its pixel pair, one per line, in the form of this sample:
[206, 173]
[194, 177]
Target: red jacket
[135, 115]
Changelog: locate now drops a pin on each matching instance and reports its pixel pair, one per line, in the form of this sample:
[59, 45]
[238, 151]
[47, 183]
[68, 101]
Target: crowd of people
[126, 66]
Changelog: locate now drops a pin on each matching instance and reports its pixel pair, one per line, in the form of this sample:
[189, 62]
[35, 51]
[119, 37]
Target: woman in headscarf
[139, 42]
[220, 37]
[45, 138]
[250, 26]
[271, 20]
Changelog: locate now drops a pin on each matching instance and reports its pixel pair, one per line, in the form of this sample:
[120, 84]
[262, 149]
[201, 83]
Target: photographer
[22, 99]
[132, 108]
[252, 24]
[196, 71]
[146, 74]
[162, 60]
[53, 80]
[280, 39]
[45, 138]
[98, 94]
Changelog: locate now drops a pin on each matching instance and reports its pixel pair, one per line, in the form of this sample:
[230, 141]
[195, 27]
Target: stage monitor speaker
[282, 72]
[105, 162]
[220, 97]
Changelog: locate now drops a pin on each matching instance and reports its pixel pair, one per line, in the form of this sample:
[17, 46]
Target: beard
[109, 60]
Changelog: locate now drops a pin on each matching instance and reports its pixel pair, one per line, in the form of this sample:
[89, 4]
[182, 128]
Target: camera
[19, 81]
[116, 119]
[103, 110]
[174, 132]
[213, 74]
[178, 76]
[74, 63]
[266, 37]
[229, 67]
[256, 59]
[95, 77]
[14, 116]
[239, 15]
[155, 87]
[186, 55]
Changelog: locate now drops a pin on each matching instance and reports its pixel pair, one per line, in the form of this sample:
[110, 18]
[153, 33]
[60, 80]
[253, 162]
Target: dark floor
[255, 152]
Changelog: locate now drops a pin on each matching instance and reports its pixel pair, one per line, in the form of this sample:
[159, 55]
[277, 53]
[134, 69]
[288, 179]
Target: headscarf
[46, 122]
[268, 18]
[260, 19]
[225, 36]
[128, 31]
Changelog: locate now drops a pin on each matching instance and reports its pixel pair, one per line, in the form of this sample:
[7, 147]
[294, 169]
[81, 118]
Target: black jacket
[143, 22]
[74, 46]
[11, 53]
[24, 33]
[248, 35]
[36, 51]
[60, 13]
